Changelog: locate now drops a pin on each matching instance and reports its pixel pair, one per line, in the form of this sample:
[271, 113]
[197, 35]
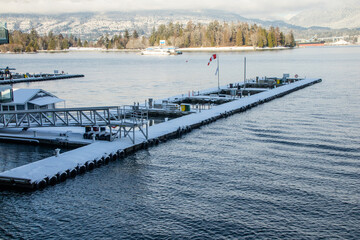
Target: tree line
[32, 42]
[213, 34]
[221, 35]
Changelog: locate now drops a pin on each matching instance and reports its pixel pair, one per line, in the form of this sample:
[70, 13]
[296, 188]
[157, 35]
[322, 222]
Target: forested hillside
[214, 34]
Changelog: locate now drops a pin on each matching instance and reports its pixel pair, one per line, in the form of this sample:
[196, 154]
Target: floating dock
[59, 137]
[56, 169]
[42, 77]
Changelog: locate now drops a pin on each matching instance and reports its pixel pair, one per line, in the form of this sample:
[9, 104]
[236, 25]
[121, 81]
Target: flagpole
[218, 70]
[244, 71]
[244, 75]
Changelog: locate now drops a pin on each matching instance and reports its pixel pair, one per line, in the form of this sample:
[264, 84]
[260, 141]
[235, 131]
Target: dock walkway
[55, 169]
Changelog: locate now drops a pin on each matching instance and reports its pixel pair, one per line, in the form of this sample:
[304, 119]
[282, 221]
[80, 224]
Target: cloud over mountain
[262, 9]
[345, 17]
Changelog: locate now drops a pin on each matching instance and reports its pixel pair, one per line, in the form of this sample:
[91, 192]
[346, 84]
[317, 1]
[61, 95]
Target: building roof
[22, 96]
[35, 96]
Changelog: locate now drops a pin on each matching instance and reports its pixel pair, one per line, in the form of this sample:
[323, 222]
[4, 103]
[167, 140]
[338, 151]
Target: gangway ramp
[125, 119]
[60, 117]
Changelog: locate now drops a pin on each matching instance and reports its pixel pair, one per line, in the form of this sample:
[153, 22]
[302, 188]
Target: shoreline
[196, 49]
[230, 49]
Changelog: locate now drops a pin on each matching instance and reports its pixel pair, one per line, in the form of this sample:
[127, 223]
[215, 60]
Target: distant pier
[40, 77]
[56, 169]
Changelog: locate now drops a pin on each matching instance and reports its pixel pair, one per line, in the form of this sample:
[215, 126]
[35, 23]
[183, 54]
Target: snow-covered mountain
[336, 18]
[92, 25]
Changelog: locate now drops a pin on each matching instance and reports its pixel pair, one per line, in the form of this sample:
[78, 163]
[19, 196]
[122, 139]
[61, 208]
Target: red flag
[213, 57]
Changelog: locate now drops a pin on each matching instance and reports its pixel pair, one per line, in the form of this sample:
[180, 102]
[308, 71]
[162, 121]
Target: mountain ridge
[92, 24]
[335, 18]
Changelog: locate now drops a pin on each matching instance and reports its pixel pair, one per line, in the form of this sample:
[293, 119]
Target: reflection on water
[14, 155]
[287, 169]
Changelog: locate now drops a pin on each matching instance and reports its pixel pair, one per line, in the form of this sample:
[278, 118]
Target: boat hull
[155, 53]
[311, 44]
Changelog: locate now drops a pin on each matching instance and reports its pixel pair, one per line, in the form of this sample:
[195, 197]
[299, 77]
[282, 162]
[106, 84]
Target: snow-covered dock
[47, 77]
[57, 136]
[53, 170]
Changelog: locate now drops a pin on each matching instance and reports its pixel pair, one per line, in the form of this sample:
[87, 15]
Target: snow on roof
[41, 101]
[22, 95]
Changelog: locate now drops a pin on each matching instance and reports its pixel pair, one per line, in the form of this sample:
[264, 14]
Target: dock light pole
[244, 71]
[244, 77]
[218, 73]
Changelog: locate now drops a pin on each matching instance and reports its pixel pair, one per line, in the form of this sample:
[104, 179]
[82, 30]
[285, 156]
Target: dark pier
[38, 78]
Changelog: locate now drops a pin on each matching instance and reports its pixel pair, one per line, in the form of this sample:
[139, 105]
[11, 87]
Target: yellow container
[185, 107]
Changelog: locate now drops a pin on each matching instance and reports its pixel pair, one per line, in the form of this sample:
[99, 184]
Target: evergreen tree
[50, 35]
[282, 39]
[248, 39]
[152, 38]
[79, 43]
[52, 44]
[28, 48]
[135, 34]
[239, 38]
[271, 39]
[262, 37]
[187, 40]
[126, 37]
[65, 44]
[126, 34]
[278, 37]
[225, 36]
[290, 40]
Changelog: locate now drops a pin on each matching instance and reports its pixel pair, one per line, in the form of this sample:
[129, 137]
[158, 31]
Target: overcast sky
[263, 9]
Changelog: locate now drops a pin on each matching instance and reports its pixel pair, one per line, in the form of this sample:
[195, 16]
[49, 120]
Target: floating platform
[55, 169]
[43, 77]
[56, 136]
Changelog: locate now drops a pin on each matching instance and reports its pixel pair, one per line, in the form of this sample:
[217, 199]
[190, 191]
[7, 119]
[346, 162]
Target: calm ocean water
[287, 169]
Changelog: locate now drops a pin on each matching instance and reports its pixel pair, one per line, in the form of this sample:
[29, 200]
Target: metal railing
[102, 116]
[126, 119]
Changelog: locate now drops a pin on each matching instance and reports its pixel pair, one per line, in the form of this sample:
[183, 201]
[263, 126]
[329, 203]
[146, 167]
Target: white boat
[161, 51]
[156, 51]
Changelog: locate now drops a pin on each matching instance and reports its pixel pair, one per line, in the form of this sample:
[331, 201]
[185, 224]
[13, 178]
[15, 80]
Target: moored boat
[161, 51]
[156, 51]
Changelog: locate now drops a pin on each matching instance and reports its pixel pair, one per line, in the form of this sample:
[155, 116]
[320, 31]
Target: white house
[28, 99]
